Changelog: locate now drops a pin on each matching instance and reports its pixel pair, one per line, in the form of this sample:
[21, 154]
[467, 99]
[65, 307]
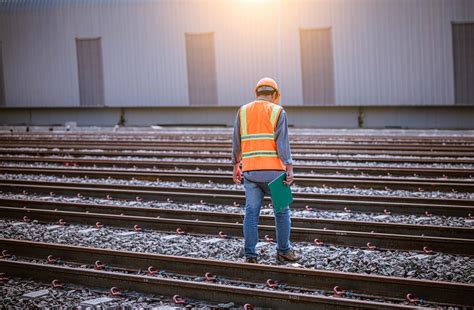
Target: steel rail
[391, 287]
[193, 132]
[197, 290]
[330, 181]
[295, 144]
[352, 198]
[308, 169]
[193, 148]
[338, 237]
[79, 154]
[189, 195]
[317, 223]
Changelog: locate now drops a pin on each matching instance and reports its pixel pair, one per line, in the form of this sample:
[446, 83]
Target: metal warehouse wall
[386, 52]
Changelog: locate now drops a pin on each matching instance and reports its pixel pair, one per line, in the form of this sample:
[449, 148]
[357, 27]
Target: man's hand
[289, 175]
[237, 174]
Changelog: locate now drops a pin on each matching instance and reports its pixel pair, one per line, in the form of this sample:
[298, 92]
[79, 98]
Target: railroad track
[356, 203]
[203, 143]
[307, 169]
[358, 234]
[268, 220]
[227, 149]
[416, 184]
[127, 271]
[160, 155]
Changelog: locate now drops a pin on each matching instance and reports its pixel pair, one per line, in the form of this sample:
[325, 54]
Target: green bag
[280, 193]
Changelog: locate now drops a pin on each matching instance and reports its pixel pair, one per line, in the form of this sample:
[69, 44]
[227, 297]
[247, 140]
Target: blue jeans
[254, 193]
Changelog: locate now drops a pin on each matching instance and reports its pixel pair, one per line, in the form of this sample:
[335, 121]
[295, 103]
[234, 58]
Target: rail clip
[56, 284]
[115, 291]
[338, 291]
[178, 300]
[209, 277]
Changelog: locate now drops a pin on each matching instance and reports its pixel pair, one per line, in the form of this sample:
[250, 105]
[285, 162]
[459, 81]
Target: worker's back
[257, 131]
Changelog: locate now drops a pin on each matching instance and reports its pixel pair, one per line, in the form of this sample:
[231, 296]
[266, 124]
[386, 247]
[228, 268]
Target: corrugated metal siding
[385, 51]
[463, 50]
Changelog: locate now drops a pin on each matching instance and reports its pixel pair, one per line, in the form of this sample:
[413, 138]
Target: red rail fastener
[427, 250]
[308, 208]
[411, 298]
[99, 225]
[248, 307]
[180, 232]
[98, 265]
[318, 242]
[271, 283]
[152, 271]
[26, 219]
[5, 254]
[137, 227]
[347, 210]
[56, 284]
[338, 291]
[178, 300]
[138, 199]
[61, 222]
[387, 212]
[115, 291]
[268, 238]
[428, 214]
[51, 259]
[209, 277]
[109, 197]
[370, 246]
[222, 235]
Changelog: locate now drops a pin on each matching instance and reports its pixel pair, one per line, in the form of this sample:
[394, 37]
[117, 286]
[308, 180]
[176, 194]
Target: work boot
[251, 260]
[288, 257]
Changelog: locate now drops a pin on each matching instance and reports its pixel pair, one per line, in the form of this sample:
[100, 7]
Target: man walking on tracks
[260, 141]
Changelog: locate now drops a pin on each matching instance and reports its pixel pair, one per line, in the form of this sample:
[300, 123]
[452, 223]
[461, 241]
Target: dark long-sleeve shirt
[283, 149]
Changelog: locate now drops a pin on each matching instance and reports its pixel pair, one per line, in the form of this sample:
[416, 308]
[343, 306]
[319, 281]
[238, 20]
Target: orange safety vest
[257, 135]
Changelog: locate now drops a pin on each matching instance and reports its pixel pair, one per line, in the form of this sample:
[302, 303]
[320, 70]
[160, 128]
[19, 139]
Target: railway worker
[260, 141]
